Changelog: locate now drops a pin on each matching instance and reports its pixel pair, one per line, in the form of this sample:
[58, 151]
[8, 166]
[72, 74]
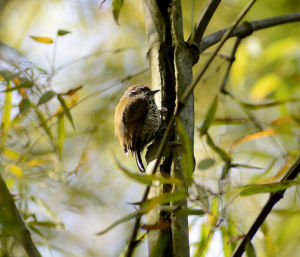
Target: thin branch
[274, 198]
[204, 20]
[243, 29]
[12, 222]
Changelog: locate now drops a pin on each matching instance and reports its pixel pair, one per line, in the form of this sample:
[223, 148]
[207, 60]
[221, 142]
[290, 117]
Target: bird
[137, 119]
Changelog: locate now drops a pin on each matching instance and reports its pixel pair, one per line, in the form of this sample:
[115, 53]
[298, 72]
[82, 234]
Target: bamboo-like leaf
[119, 221]
[16, 170]
[43, 40]
[187, 162]
[37, 162]
[63, 32]
[6, 114]
[162, 199]
[190, 211]
[24, 105]
[147, 179]
[206, 164]
[267, 188]
[61, 132]
[48, 224]
[250, 249]
[117, 5]
[72, 91]
[209, 117]
[264, 133]
[47, 96]
[222, 153]
[13, 155]
[66, 110]
[43, 121]
[26, 84]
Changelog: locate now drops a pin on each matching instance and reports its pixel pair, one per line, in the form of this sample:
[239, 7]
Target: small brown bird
[137, 120]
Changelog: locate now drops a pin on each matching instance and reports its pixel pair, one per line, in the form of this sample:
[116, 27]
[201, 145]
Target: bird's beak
[153, 92]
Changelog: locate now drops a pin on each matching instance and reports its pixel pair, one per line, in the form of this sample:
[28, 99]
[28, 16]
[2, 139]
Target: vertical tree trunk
[171, 72]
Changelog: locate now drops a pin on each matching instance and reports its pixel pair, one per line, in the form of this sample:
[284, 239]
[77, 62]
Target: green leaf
[61, 132]
[224, 156]
[190, 211]
[120, 221]
[187, 162]
[267, 188]
[63, 32]
[43, 121]
[24, 105]
[206, 163]
[66, 110]
[47, 96]
[117, 5]
[6, 113]
[26, 84]
[250, 249]
[147, 179]
[209, 117]
[48, 224]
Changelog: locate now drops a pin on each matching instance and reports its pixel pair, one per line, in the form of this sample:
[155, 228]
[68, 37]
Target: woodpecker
[137, 119]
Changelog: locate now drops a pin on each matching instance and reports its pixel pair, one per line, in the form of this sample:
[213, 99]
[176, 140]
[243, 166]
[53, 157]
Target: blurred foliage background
[63, 67]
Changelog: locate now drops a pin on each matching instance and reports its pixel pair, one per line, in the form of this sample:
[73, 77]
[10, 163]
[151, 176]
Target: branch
[274, 198]
[13, 223]
[243, 29]
[204, 21]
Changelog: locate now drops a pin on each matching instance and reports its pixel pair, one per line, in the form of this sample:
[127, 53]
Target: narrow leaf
[72, 91]
[120, 221]
[43, 122]
[117, 5]
[6, 113]
[222, 153]
[15, 170]
[63, 32]
[43, 40]
[66, 110]
[264, 133]
[187, 162]
[147, 179]
[61, 132]
[250, 249]
[47, 96]
[267, 188]
[26, 84]
[206, 164]
[11, 154]
[209, 117]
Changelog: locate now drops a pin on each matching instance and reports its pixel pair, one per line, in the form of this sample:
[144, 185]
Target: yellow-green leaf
[206, 164]
[267, 188]
[43, 40]
[36, 162]
[239, 67]
[24, 105]
[15, 170]
[250, 249]
[6, 113]
[47, 96]
[264, 86]
[117, 5]
[66, 110]
[209, 117]
[264, 133]
[61, 132]
[13, 155]
[43, 122]
[187, 162]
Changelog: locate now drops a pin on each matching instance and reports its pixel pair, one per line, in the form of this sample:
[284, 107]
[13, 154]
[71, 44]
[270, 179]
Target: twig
[274, 198]
[204, 20]
[240, 30]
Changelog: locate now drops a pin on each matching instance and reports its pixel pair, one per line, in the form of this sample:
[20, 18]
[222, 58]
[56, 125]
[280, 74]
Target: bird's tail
[138, 159]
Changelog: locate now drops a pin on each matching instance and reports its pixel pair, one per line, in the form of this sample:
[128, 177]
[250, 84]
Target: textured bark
[171, 72]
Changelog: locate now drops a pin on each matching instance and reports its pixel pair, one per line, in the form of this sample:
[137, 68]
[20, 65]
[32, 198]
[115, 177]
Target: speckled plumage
[137, 120]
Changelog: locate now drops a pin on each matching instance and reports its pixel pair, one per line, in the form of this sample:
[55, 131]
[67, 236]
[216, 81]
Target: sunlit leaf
[120, 221]
[66, 110]
[43, 122]
[72, 91]
[147, 179]
[162, 199]
[209, 117]
[239, 67]
[47, 96]
[43, 40]
[63, 32]
[187, 162]
[6, 112]
[264, 86]
[13, 155]
[61, 132]
[285, 119]
[264, 133]
[117, 5]
[15, 170]
[37, 162]
[250, 249]
[206, 163]
[267, 188]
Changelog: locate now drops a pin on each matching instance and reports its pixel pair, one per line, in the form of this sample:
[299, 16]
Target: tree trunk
[171, 72]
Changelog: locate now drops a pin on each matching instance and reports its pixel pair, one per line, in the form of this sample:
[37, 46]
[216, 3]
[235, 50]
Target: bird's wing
[135, 111]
